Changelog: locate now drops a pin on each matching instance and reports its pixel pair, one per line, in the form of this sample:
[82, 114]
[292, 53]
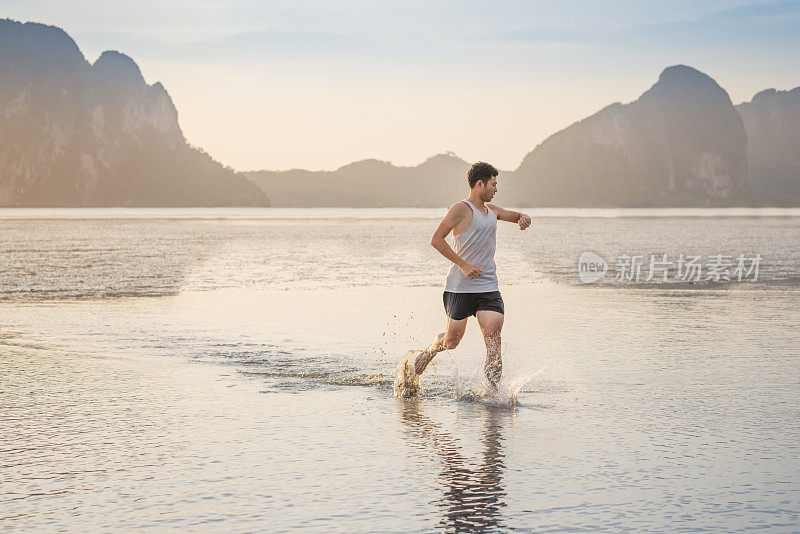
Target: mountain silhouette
[80, 134]
[772, 122]
[368, 183]
[681, 143]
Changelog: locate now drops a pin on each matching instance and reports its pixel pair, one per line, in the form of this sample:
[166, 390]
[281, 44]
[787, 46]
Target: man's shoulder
[459, 209]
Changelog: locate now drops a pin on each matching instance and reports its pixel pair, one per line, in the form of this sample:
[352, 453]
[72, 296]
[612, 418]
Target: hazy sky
[318, 84]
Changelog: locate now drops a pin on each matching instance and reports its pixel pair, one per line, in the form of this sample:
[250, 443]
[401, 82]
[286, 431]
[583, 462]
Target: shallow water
[232, 372]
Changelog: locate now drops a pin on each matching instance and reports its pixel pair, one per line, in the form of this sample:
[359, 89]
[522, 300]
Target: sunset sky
[316, 85]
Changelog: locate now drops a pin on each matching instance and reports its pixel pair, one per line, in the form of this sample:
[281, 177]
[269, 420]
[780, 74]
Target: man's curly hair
[480, 171]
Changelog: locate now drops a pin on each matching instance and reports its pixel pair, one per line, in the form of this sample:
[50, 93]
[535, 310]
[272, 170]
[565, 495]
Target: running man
[471, 287]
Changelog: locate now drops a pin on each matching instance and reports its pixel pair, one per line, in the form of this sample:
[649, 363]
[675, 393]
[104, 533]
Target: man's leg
[491, 323]
[446, 340]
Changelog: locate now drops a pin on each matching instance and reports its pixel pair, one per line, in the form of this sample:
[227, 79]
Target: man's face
[489, 190]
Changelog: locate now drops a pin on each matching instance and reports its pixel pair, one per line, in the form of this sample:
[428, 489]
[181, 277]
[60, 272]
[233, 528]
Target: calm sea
[231, 370]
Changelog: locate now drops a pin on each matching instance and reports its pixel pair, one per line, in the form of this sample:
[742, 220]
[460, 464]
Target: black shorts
[459, 306]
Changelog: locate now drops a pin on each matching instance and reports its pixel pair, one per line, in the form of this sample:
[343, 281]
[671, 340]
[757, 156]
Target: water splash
[458, 387]
[406, 382]
[478, 389]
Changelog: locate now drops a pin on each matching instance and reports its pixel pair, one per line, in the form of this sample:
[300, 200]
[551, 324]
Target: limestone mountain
[681, 143]
[772, 122]
[79, 134]
[369, 183]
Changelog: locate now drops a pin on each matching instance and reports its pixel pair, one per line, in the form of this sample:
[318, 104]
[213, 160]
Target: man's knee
[442, 342]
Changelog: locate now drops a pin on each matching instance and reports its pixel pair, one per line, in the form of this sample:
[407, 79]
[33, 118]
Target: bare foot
[421, 361]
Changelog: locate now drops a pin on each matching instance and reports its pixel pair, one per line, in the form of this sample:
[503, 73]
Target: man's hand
[470, 271]
[524, 221]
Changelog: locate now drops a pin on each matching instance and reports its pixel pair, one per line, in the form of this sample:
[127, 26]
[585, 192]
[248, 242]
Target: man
[471, 287]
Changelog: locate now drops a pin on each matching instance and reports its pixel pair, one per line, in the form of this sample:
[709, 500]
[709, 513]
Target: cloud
[442, 36]
[534, 34]
[751, 12]
[266, 45]
[748, 25]
[251, 46]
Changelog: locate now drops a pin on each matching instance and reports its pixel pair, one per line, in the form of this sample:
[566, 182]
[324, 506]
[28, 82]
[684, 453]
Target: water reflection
[473, 490]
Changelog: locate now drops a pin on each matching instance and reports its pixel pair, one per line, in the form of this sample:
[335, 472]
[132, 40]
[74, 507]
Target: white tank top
[476, 246]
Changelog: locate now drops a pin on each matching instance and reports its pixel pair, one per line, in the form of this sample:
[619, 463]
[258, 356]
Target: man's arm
[454, 215]
[511, 216]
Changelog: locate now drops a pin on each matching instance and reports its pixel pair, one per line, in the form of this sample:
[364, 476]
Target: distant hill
[370, 183]
[772, 122]
[682, 143]
[80, 134]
